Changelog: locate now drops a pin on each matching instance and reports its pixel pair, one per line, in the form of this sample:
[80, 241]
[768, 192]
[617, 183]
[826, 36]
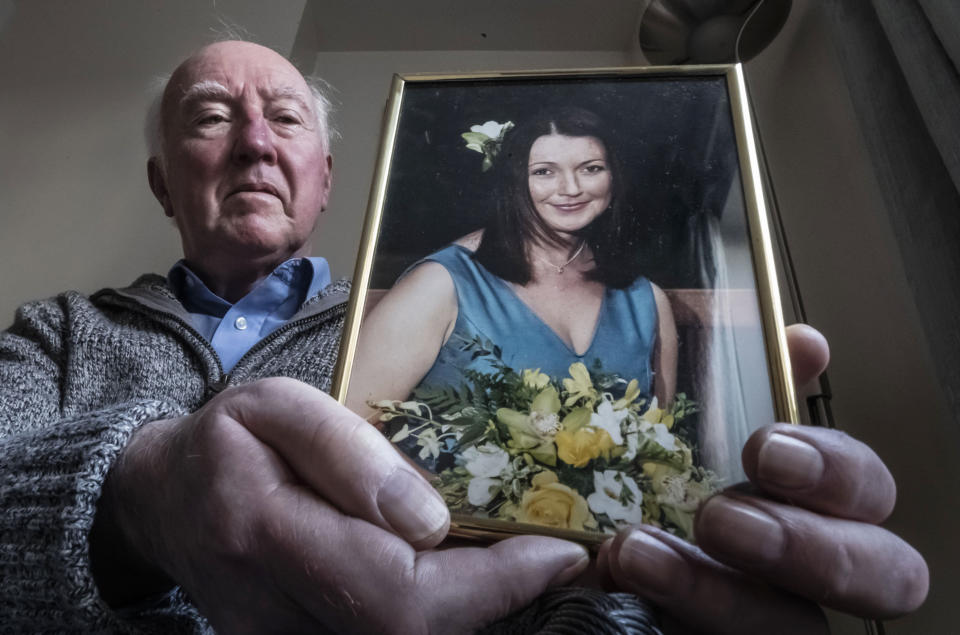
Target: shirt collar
[305, 277]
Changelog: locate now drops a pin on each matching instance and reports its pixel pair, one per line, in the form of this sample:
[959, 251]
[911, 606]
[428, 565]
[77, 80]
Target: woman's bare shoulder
[425, 296]
[471, 241]
[426, 275]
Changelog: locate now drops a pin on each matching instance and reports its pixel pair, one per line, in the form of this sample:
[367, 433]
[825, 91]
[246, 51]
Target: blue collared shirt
[233, 329]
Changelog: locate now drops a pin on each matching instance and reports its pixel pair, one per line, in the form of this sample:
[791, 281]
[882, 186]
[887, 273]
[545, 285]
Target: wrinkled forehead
[237, 72]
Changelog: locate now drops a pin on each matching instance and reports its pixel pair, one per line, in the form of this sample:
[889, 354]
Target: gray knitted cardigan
[77, 376]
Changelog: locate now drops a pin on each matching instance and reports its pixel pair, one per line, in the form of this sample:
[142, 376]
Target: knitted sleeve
[51, 474]
[31, 358]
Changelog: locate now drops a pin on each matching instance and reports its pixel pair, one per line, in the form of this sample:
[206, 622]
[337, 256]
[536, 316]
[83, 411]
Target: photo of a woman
[551, 281]
[566, 334]
[535, 352]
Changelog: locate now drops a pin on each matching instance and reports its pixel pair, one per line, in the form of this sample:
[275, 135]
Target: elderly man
[169, 461]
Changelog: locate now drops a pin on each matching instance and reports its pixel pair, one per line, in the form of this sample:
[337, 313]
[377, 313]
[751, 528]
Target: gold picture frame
[684, 147]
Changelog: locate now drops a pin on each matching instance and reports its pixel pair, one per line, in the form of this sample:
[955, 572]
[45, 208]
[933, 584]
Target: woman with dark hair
[552, 280]
[611, 237]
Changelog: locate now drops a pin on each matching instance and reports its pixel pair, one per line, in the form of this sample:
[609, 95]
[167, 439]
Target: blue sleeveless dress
[489, 308]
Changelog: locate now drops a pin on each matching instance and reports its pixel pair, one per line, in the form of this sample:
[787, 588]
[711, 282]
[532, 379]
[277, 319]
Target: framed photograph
[565, 308]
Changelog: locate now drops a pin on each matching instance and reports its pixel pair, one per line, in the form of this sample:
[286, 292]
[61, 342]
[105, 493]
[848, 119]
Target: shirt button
[240, 323]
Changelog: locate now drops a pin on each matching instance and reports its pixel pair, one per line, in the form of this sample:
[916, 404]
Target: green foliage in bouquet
[586, 452]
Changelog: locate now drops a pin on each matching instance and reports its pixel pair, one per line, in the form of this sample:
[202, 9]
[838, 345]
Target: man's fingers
[809, 352]
[474, 586]
[820, 469]
[700, 592]
[345, 567]
[348, 574]
[851, 566]
[342, 457]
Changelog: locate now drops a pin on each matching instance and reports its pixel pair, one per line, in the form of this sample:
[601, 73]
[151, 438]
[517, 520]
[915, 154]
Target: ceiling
[397, 25]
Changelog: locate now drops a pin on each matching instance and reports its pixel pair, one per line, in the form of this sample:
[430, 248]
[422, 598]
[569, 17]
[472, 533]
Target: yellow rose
[579, 447]
[554, 505]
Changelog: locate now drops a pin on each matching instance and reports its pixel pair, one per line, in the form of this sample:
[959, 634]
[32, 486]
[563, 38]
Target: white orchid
[660, 434]
[616, 495]
[492, 129]
[606, 418]
[486, 139]
[429, 444]
[481, 490]
[485, 461]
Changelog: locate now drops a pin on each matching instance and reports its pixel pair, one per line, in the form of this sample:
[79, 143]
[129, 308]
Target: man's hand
[803, 532]
[278, 510]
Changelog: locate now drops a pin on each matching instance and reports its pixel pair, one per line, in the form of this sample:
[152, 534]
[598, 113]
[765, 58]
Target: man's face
[245, 172]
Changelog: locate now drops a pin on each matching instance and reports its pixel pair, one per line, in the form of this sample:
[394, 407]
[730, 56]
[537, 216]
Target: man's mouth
[264, 188]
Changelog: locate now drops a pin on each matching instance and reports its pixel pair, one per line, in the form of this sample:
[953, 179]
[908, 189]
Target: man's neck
[232, 280]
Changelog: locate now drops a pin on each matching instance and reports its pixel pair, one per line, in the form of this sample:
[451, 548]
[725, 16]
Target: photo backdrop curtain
[900, 59]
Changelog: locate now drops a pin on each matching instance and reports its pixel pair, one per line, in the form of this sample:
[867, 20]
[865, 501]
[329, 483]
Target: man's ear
[328, 178]
[158, 184]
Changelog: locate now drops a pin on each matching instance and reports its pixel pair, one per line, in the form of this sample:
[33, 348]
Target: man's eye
[287, 119]
[211, 120]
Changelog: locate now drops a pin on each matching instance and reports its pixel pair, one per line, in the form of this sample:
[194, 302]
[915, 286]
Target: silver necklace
[560, 268]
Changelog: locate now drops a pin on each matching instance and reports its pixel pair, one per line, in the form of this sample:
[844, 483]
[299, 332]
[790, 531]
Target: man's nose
[254, 141]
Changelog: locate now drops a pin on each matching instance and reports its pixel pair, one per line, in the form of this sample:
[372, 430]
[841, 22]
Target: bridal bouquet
[586, 452]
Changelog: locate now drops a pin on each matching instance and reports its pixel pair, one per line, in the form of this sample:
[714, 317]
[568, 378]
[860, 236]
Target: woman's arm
[401, 337]
[665, 350]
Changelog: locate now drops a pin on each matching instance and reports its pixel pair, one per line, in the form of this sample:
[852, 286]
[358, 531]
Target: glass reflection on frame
[565, 306]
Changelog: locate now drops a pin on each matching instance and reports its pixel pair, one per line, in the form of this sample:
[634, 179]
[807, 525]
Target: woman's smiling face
[569, 180]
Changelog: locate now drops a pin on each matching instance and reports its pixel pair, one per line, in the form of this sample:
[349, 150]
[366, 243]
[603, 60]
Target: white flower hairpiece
[486, 139]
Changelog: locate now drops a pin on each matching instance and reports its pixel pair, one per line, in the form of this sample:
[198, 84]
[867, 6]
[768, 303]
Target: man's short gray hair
[153, 126]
